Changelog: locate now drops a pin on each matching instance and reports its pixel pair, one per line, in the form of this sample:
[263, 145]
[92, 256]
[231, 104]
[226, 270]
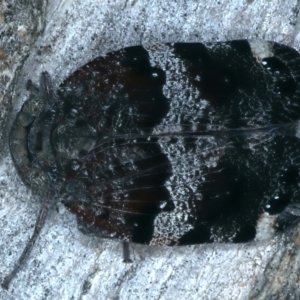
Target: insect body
[171, 144]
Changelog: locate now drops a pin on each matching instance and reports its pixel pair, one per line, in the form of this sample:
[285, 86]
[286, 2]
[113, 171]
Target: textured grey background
[60, 36]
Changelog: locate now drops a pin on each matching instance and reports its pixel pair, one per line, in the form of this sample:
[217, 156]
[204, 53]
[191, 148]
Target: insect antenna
[37, 229]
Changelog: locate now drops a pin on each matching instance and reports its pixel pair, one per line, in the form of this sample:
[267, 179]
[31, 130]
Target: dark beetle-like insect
[172, 144]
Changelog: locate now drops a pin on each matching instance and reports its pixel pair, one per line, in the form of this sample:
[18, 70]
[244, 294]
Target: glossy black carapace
[171, 144]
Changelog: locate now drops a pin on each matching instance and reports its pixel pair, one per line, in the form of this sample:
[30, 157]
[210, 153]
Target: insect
[171, 144]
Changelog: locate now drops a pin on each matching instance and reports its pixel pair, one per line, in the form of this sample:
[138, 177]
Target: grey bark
[59, 37]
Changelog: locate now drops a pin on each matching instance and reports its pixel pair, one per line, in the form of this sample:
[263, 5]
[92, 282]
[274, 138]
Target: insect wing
[183, 143]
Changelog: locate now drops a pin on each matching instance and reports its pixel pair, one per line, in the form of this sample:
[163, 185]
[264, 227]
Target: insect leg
[126, 252]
